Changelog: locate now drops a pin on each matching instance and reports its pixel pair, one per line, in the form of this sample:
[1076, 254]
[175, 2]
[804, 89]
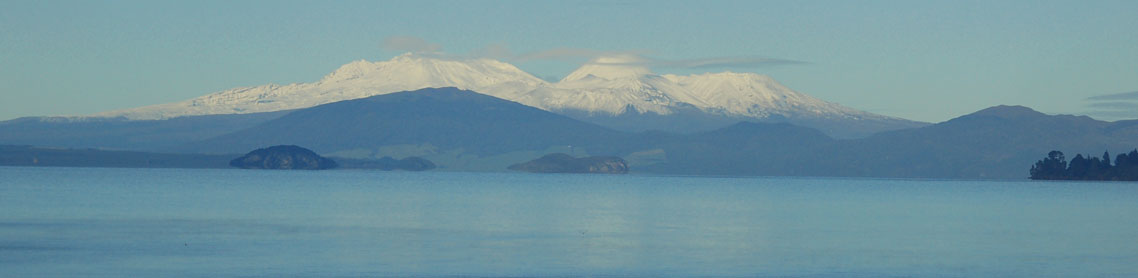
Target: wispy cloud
[715, 62]
[1120, 105]
[1113, 114]
[1118, 96]
[640, 58]
[563, 53]
[578, 55]
[1114, 106]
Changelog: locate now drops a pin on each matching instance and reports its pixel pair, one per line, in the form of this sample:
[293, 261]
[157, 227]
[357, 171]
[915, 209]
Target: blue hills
[465, 130]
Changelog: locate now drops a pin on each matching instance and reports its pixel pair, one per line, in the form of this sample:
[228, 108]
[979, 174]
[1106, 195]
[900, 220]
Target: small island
[1056, 167]
[284, 157]
[564, 163]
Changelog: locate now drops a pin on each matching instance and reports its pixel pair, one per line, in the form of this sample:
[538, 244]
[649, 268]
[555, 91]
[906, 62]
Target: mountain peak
[1008, 112]
[405, 56]
[351, 70]
[426, 66]
[611, 68]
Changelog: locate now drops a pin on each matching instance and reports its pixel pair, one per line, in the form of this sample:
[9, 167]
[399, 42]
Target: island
[564, 163]
[1056, 167]
[284, 157]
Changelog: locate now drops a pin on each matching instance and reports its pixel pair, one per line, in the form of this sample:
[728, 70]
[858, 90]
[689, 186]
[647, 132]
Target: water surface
[96, 222]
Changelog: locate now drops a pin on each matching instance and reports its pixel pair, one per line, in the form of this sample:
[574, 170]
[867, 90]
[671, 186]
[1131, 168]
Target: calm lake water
[89, 222]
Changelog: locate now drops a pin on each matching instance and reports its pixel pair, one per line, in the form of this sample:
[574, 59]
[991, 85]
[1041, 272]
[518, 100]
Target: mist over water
[95, 222]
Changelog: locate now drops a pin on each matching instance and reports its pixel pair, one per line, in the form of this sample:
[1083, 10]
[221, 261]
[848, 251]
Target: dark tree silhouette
[1051, 168]
[1055, 167]
[1126, 166]
[1078, 167]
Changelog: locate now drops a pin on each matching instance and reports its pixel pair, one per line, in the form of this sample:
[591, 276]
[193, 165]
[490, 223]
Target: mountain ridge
[467, 131]
[600, 89]
[444, 118]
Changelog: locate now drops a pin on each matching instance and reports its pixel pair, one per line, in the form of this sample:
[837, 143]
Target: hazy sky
[921, 60]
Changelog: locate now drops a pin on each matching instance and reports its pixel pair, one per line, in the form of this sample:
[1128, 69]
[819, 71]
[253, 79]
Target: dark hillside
[447, 118]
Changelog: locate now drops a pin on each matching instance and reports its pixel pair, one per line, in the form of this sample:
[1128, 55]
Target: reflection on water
[232, 223]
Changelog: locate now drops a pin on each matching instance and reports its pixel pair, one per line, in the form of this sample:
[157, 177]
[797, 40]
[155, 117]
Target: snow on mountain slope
[758, 96]
[605, 86]
[610, 85]
[351, 81]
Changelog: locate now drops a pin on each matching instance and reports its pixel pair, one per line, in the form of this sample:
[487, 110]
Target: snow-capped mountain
[616, 86]
[354, 80]
[612, 85]
[758, 96]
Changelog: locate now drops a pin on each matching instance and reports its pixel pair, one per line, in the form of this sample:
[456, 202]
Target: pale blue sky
[921, 60]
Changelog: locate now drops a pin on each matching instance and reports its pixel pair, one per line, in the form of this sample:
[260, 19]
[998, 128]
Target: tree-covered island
[1056, 167]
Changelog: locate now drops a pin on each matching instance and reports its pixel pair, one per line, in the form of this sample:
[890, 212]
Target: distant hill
[14, 155]
[61, 157]
[744, 148]
[692, 120]
[464, 130]
[992, 143]
[123, 134]
[443, 119]
[564, 163]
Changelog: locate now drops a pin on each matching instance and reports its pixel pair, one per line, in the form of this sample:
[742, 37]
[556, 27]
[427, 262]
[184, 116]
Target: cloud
[1114, 114]
[716, 62]
[410, 44]
[639, 58]
[565, 53]
[576, 55]
[1118, 96]
[1116, 105]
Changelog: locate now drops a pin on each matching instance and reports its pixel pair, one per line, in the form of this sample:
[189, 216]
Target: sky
[921, 60]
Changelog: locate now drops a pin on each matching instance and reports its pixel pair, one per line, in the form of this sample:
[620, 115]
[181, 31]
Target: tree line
[1056, 167]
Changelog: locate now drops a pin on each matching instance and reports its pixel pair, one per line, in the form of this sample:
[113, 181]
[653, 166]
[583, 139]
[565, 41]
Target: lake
[95, 222]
